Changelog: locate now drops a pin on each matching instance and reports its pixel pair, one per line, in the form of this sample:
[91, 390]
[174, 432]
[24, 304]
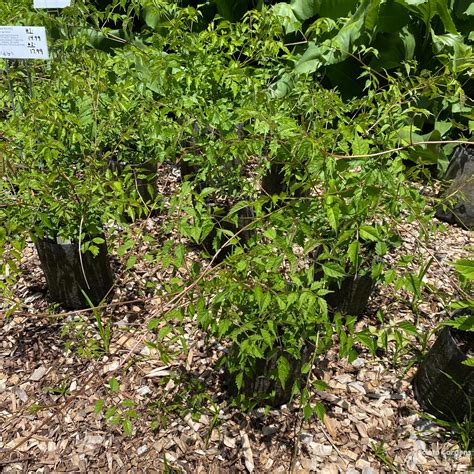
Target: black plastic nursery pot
[352, 296]
[68, 272]
[443, 385]
[457, 203]
[273, 182]
[245, 216]
[263, 386]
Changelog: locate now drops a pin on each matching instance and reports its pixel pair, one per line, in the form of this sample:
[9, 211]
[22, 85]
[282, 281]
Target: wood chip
[158, 372]
[38, 374]
[247, 452]
[330, 424]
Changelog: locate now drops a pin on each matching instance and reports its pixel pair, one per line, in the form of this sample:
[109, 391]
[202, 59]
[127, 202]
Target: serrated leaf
[359, 145]
[368, 232]
[408, 327]
[124, 247]
[353, 252]
[270, 233]
[465, 267]
[307, 412]
[131, 261]
[266, 337]
[469, 362]
[283, 370]
[390, 276]
[153, 324]
[99, 404]
[333, 270]
[320, 385]
[333, 217]
[381, 248]
[319, 410]
[114, 384]
[306, 368]
[127, 427]
[163, 332]
[238, 380]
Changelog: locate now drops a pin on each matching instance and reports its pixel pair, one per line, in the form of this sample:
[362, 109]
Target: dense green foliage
[326, 92]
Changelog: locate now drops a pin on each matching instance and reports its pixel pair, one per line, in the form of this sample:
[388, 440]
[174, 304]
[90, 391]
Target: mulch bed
[52, 374]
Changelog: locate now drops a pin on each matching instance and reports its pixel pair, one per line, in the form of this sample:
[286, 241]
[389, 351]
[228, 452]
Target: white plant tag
[51, 3]
[23, 42]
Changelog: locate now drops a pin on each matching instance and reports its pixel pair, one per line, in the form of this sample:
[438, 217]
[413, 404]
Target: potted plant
[444, 381]
[62, 211]
[274, 328]
[53, 192]
[135, 147]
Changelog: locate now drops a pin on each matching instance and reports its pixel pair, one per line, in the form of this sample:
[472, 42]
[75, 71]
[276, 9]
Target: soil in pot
[443, 385]
[263, 386]
[68, 272]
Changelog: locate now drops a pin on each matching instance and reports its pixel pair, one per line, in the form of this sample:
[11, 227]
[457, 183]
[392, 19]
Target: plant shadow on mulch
[39, 340]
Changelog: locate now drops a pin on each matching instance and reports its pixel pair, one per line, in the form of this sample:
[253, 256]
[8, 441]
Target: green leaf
[353, 252]
[319, 410]
[131, 262]
[127, 427]
[305, 9]
[114, 384]
[307, 412]
[163, 332]
[369, 232]
[283, 369]
[287, 15]
[99, 404]
[124, 247]
[338, 48]
[443, 11]
[469, 362]
[267, 337]
[390, 276]
[408, 327]
[463, 323]
[359, 145]
[238, 380]
[465, 267]
[333, 216]
[306, 368]
[367, 340]
[333, 270]
[470, 10]
[152, 16]
[153, 324]
[320, 385]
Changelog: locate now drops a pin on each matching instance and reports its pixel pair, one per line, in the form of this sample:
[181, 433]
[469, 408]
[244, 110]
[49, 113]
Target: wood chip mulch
[53, 373]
